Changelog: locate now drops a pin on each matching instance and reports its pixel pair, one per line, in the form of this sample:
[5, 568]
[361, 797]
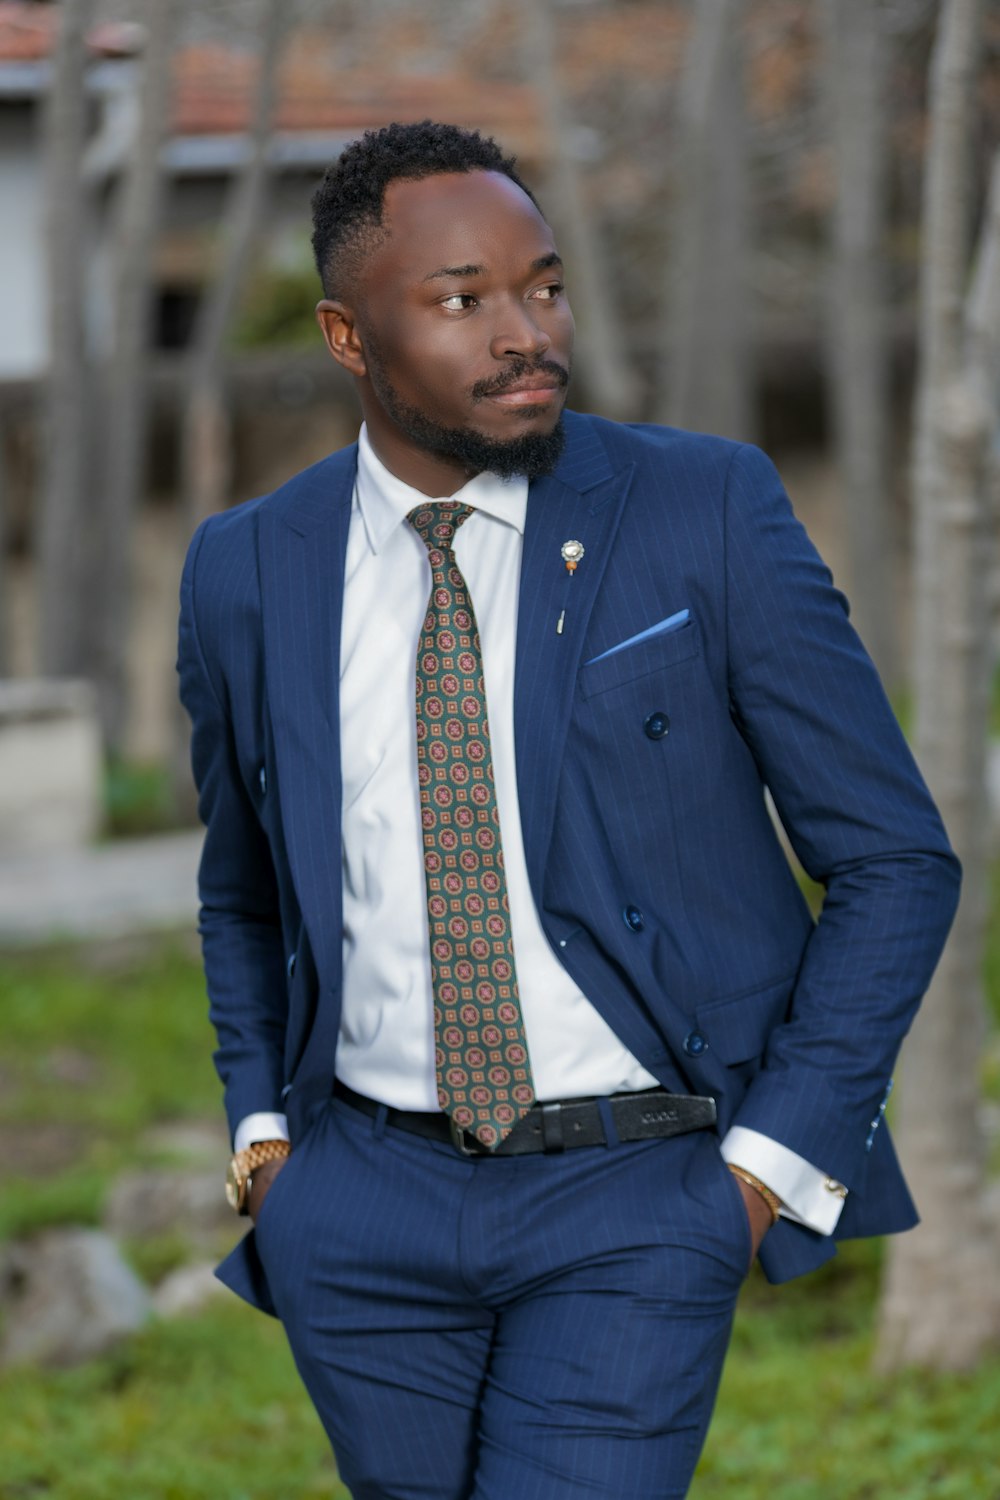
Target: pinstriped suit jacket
[726, 982]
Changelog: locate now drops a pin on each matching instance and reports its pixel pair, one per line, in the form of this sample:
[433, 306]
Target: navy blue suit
[718, 981]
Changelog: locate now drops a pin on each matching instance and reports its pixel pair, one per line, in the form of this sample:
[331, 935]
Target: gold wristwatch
[243, 1166]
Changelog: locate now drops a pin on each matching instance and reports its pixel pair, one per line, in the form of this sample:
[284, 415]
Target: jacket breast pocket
[640, 660]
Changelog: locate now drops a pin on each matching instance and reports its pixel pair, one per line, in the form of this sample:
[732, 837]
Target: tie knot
[438, 520]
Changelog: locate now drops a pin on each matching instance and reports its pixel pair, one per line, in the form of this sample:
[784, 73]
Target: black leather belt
[648, 1116]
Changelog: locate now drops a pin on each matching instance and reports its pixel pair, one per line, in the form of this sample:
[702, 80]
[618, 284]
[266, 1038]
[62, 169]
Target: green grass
[107, 1048]
[92, 1057]
[991, 960]
[137, 799]
[802, 1416]
[197, 1409]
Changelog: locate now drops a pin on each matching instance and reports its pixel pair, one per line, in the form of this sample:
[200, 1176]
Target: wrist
[259, 1184]
[247, 1164]
[761, 1188]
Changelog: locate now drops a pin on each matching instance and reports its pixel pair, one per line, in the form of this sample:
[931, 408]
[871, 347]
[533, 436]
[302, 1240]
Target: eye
[458, 301]
[550, 292]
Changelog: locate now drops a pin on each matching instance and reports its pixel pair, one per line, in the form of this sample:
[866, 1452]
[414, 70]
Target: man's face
[464, 326]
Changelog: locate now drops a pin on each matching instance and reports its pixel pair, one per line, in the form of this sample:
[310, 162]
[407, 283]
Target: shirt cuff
[808, 1196]
[263, 1127]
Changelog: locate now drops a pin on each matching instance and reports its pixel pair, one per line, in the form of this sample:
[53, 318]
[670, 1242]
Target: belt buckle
[458, 1133]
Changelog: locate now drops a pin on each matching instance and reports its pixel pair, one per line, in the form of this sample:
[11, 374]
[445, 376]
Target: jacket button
[656, 725]
[695, 1044]
[633, 918]
[291, 965]
[263, 781]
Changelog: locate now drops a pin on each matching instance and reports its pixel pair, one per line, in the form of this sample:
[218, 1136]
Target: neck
[430, 473]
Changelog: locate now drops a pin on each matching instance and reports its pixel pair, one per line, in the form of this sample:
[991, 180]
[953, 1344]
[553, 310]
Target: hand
[260, 1184]
[758, 1213]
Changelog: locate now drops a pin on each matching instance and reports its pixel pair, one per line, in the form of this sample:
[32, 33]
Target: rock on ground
[156, 1201]
[187, 1290]
[66, 1296]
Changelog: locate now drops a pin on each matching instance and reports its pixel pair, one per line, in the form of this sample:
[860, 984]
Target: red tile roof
[28, 32]
[214, 95]
[214, 85]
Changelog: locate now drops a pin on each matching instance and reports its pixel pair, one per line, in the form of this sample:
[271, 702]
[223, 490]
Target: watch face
[234, 1188]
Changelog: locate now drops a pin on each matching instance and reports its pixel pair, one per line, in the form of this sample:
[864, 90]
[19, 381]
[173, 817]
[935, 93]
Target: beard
[531, 454]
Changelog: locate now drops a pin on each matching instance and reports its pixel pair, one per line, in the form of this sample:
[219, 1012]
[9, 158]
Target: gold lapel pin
[571, 553]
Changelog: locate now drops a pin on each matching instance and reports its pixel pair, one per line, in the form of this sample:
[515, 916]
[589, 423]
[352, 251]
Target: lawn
[100, 1049]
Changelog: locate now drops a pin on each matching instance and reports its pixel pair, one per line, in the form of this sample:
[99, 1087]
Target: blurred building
[321, 107]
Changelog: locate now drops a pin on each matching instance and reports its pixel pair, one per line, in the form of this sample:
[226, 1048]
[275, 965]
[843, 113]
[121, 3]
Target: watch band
[243, 1166]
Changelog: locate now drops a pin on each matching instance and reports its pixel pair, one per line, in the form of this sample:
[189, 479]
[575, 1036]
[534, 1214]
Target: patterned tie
[481, 1054]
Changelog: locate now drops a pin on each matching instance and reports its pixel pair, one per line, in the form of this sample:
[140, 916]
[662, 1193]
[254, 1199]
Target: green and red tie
[481, 1054]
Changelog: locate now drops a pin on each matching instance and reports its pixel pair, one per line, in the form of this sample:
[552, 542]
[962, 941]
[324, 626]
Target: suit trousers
[540, 1327]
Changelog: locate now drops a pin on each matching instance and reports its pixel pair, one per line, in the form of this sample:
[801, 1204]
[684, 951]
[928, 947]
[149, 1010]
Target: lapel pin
[570, 552]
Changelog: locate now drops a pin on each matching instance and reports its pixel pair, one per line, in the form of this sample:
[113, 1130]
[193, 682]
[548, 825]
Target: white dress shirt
[385, 1049]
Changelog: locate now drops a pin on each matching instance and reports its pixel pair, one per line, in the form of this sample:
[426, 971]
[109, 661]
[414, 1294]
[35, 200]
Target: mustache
[505, 380]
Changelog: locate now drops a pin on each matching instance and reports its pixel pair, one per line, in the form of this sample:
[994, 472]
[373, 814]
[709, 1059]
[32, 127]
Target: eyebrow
[444, 273]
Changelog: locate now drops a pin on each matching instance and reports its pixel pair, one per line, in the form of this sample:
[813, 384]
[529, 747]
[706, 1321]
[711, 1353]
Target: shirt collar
[385, 501]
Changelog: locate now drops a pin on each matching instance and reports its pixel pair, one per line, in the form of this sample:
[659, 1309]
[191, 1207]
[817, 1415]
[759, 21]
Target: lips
[535, 389]
[536, 393]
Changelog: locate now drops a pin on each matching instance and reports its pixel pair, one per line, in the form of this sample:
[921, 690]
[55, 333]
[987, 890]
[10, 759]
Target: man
[536, 998]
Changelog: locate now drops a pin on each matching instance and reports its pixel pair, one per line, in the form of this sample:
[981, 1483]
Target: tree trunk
[62, 513]
[941, 1299]
[707, 380]
[605, 368]
[857, 82]
[205, 461]
[124, 425]
[4, 567]
[206, 436]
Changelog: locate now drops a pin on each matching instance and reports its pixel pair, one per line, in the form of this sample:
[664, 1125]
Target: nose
[518, 334]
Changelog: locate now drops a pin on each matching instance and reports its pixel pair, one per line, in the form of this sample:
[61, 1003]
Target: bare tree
[856, 68]
[611, 382]
[206, 441]
[61, 514]
[206, 437]
[707, 380]
[941, 1300]
[124, 426]
[4, 542]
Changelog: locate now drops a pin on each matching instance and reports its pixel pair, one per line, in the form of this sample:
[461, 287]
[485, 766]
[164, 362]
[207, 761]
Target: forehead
[459, 219]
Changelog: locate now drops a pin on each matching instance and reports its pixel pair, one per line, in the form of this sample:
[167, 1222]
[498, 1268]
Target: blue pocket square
[664, 627]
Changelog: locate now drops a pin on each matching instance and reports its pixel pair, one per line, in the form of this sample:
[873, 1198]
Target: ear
[340, 334]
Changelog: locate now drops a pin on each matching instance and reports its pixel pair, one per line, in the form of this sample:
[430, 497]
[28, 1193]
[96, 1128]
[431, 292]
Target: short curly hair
[348, 205]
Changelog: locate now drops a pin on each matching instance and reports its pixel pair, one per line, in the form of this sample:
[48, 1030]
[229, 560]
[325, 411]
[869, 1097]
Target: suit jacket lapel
[582, 502]
[303, 545]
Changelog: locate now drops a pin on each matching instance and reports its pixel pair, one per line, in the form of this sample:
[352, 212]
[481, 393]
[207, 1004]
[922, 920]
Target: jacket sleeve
[239, 922]
[809, 704]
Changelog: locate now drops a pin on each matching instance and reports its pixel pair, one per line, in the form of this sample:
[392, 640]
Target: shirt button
[633, 918]
[695, 1044]
[656, 725]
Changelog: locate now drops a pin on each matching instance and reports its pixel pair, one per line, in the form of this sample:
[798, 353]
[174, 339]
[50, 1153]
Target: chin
[531, 451]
